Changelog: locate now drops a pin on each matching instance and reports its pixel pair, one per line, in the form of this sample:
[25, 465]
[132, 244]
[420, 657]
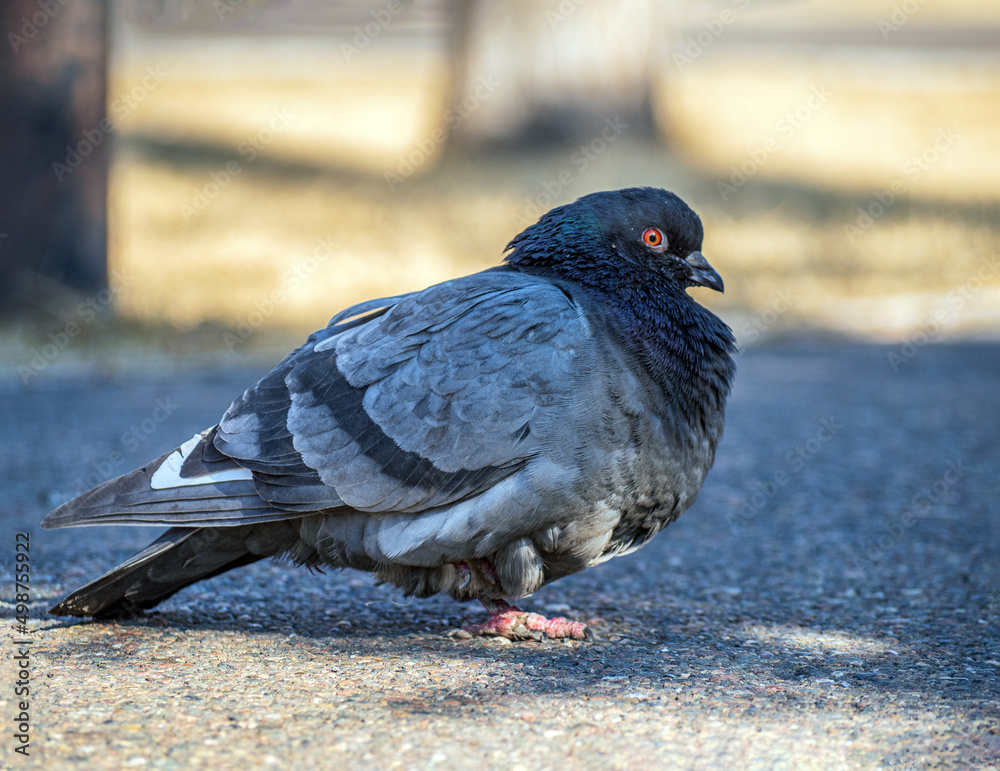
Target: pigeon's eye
[654, 238]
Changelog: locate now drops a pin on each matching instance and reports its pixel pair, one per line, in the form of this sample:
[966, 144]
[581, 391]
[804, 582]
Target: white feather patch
[168, 475]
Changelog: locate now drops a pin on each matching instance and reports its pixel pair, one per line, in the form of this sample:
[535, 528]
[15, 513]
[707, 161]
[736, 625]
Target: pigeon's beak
[702, 273]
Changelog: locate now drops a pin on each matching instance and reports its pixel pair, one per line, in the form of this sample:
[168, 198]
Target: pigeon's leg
[515, 624]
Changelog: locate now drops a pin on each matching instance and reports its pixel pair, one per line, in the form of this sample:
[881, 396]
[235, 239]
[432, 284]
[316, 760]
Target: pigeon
[479, 438]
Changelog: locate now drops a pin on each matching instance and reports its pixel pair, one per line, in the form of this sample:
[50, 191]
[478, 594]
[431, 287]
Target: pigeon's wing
[401, 405]
[180, 488]
[428, 403]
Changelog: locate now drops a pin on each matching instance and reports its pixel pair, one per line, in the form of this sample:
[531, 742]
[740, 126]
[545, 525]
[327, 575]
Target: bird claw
[515, 624]
[464, 575]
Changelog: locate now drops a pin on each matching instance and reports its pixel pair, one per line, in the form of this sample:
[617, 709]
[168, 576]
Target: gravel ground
[830, 602]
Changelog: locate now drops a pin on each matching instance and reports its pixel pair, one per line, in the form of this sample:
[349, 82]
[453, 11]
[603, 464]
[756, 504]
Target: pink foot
[515, 624]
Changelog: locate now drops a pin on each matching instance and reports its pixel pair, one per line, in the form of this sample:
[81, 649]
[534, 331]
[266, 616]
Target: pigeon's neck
[686, 349]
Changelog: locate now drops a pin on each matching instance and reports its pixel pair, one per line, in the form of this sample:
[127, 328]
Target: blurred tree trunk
[550, 70]
[53, 150]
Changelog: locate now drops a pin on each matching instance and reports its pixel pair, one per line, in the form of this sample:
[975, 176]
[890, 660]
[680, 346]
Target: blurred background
[185, 176]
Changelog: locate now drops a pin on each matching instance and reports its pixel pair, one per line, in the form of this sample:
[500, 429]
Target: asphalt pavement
[830, 602]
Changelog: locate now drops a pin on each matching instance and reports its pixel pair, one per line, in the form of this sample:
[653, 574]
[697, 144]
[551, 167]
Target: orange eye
[653, 237]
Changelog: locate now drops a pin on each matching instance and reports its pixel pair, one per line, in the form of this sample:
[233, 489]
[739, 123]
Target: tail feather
[179, 557]
[217, 522]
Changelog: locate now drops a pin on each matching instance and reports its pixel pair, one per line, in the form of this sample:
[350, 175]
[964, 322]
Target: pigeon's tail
[217, 522]
[179, 557]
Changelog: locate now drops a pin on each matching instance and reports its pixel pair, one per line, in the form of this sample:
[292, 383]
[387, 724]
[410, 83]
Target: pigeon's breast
[651, 480]
[639, 463]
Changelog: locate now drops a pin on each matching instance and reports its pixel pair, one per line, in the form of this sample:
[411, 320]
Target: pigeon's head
[618, 237]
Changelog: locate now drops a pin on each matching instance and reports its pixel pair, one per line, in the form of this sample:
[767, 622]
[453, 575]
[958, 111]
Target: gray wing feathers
[461, 399]
[421, 410]
[131, 499]
[417, 406]
[367, 307]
